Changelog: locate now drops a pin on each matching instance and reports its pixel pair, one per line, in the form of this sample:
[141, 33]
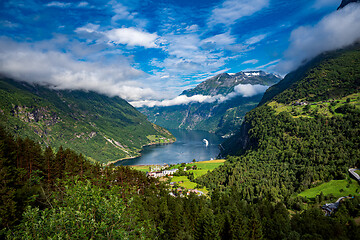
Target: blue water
[189, 146]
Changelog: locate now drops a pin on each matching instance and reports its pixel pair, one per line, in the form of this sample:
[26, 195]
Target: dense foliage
[287, 154]
[76, 199]
[101, 128]
[284, 147]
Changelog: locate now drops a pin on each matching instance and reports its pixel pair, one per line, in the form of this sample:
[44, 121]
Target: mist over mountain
[102, 128]
[216, 105]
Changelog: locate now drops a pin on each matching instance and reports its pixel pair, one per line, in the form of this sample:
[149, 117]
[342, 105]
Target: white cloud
[33, 64]
[248, 90]
[244, 90]
[179, 100]
[126, 36]
[268, 64]
[66, 5]
[83, 4]
[221, 39]
[336, 30]
[121, 12]
[255, 39]
[132, 37]
[58, 4]
[232, 10]
[252, 61]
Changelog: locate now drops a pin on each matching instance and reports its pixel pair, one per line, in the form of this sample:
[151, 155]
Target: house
[169, 172]
[155, 174]
[161, 173]
[354, 174]
[330, 208]
[297, 103]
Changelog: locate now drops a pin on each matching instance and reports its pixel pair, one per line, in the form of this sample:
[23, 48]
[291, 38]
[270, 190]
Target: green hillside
[327, 76]
[104, 129]
[306, 134]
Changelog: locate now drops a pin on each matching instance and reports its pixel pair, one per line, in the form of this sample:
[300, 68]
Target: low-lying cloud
[244, 90]
[62, 71]
[337, 30]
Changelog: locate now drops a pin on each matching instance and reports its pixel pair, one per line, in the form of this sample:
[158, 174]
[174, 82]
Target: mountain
[224, 83]
[346, 2]
[102, 128]
[220, 117]
[305, 132]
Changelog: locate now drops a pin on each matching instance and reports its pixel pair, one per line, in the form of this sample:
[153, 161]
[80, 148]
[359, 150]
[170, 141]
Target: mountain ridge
[216, 117]
[224, 83]
[104, 129]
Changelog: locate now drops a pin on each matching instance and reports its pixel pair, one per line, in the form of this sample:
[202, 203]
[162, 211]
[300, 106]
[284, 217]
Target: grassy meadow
[339, 188]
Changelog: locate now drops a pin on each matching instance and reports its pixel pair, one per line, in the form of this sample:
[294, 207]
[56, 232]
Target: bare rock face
[346, 2]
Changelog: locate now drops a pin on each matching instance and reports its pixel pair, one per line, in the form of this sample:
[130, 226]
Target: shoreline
[143, 165]
[139, 153]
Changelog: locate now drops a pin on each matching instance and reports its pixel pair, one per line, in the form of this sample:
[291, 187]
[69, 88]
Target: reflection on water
[189, 146]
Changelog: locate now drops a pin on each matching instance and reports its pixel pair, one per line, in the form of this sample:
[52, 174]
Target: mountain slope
[346, 2]
[218, 117]
[307, 134]
[224, 83]
[104, 129]
[344, 65]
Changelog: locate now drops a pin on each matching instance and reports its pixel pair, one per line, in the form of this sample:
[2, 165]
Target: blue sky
[153, 50]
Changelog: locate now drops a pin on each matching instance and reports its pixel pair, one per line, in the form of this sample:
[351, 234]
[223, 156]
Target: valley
[184, 120]
[237, 94]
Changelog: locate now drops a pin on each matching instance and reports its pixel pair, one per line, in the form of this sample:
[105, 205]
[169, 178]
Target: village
[180, 177]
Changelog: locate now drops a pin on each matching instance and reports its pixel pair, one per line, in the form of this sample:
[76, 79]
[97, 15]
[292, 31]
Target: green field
[333, 187]
[142, 168]
[322, 107]
[203, 167]
[185, 182]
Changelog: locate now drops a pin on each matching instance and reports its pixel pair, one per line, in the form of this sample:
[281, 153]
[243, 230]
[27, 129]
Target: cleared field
[322, 107]
[143, 168]
[338, 188]
[203, 167]
[185, 182]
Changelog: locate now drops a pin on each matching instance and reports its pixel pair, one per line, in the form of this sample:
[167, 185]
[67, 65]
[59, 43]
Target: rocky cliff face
[224, 83]
[217, 117]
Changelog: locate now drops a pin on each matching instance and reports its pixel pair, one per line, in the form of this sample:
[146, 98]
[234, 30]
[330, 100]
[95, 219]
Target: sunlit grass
[338, 188]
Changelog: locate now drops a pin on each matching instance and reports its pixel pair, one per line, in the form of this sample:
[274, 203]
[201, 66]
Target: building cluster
[163, 173]
[298, 103]
[180, 192]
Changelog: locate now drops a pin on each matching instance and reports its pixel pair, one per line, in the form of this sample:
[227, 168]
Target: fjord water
[189, 145]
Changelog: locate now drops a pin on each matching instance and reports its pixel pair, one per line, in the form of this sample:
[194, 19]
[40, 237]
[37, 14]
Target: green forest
[48, 195]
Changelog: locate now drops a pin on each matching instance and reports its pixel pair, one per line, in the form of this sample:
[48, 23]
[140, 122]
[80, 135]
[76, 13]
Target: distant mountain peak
[224, 83]
[346, 2]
